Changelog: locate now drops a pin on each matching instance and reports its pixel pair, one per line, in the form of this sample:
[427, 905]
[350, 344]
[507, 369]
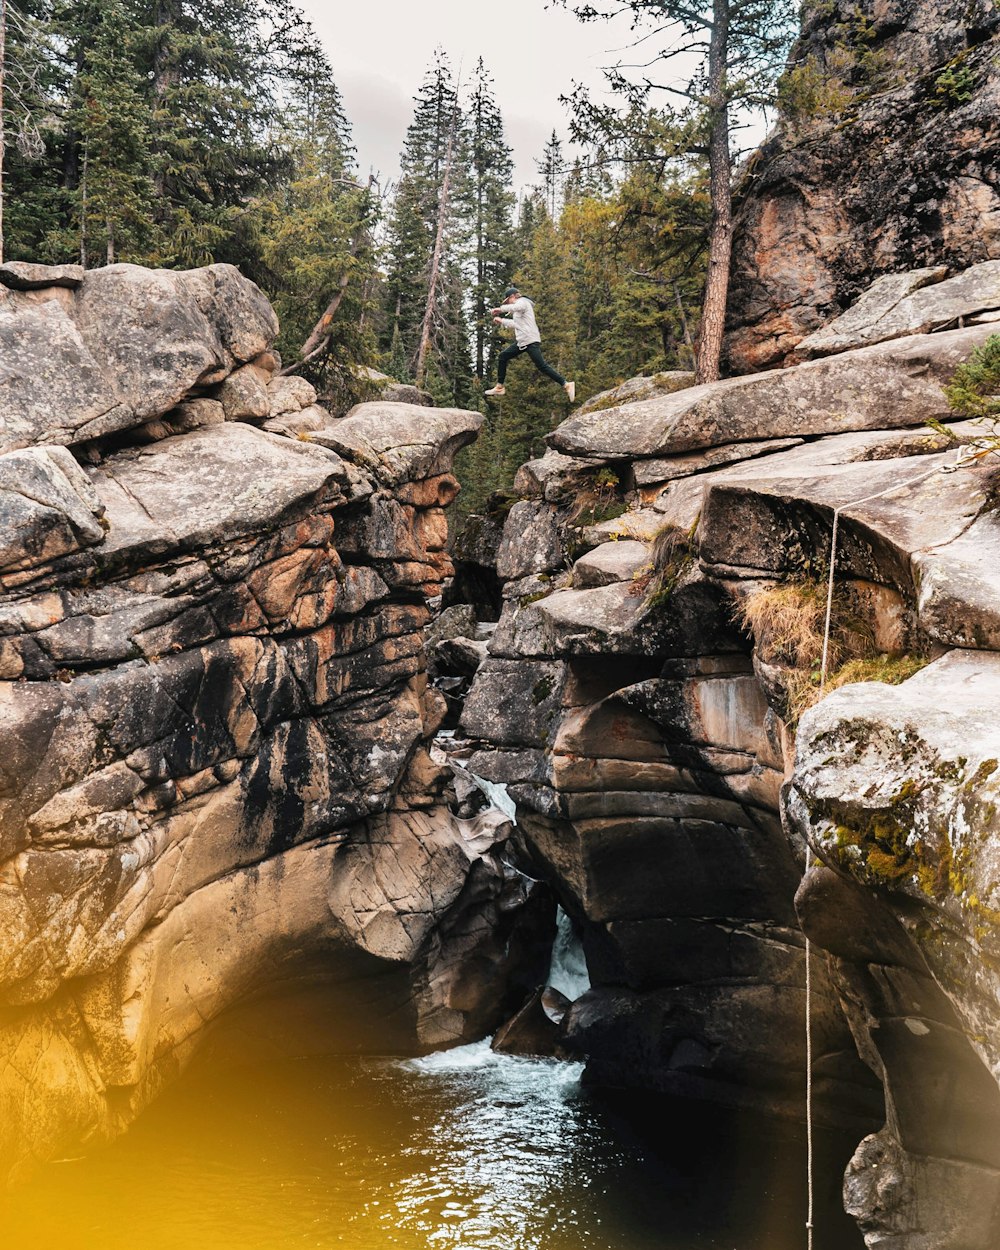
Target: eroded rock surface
[646, 731]
[216, 791]
[884, 160]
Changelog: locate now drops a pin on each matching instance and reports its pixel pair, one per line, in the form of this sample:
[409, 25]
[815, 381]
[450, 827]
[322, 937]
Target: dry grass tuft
[672, 554]
[891, 670]
[787, 623]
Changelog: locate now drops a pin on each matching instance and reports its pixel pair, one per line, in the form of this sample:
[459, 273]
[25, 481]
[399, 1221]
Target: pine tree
[735, 49]
[212, 96]
[424, 289]
[552, 167]
[112, 122]
[30, 201]
[317, 235]
[490, 212]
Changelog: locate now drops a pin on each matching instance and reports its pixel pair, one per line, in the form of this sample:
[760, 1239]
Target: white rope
[809, 1096]
[965, 456]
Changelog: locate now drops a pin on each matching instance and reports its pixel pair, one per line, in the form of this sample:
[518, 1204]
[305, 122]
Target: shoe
[499, 389]
[569, 388]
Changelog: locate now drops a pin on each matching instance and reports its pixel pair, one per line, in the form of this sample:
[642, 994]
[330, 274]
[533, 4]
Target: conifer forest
[173, 134]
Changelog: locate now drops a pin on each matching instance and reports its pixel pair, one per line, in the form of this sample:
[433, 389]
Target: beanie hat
[511, 290]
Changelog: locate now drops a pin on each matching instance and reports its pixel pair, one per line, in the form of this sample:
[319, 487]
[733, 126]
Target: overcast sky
[535, 50]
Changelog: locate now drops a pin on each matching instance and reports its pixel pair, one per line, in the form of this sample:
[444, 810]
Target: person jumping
[528, 341]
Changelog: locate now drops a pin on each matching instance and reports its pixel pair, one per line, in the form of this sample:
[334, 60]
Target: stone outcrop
[642, 715]
[895, 788]
[216, 792]
[885, 159]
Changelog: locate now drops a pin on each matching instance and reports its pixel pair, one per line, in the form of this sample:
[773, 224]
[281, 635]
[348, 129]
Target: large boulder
[121, 346]
[896, 790]
[909, 303]
[217, 802]
[402, 441]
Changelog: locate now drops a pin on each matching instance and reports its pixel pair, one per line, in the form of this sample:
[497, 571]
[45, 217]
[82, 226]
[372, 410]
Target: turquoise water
[464, 1150]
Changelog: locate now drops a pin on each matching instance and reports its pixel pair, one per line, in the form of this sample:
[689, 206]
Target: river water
[463, 1150]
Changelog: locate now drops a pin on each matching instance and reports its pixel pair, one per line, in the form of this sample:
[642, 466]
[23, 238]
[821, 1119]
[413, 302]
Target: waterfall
[568, 969]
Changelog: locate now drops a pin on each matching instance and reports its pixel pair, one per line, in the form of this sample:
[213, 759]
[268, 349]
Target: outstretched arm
[520, 302]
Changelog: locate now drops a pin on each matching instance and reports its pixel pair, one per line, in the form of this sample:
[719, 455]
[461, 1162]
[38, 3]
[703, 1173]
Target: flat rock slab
[893, 385]
[22, 275]
[908, 303]
[650, 472]
[210, 486]
[402, 442]
[634, 389]
[611, 562]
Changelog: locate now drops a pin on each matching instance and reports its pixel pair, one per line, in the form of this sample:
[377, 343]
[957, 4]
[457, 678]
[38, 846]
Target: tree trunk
[166, 76]
[720, 243]
[3, 149]
[83, 211]
[316, 343]
[685, 328]
[427, 326]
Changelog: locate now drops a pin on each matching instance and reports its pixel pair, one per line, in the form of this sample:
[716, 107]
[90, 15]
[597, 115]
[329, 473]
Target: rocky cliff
[219, 818]
[885, 158]
[662, 574]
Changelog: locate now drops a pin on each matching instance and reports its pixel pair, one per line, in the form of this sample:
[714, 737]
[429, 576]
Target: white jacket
[522, 321]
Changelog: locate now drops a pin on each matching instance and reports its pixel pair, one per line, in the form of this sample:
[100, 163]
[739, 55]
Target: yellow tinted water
[467, 1151]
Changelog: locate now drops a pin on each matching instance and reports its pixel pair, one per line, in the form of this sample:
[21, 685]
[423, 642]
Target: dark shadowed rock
[532, 541]
[535, 1030]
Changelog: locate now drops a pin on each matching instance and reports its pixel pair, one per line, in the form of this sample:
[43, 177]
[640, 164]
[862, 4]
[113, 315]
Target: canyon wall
[885, 157]
[219, 818]
[662, 581]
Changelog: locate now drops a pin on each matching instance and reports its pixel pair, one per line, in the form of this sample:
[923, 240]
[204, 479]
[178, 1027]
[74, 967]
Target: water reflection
[466, 1150]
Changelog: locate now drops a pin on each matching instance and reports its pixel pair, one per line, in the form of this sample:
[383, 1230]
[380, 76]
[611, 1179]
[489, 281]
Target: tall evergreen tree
[427, 234]
[490, 212]
[317, 236]
[552, 168]
[734, 51]
[212, 95]
[29, 194]
[112, 122]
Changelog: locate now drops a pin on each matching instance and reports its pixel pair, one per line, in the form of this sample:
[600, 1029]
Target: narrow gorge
[289, 769]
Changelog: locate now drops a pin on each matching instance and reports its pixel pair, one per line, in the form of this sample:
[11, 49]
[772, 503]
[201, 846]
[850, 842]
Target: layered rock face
[215, 787]
[640, 693]
[886, 158]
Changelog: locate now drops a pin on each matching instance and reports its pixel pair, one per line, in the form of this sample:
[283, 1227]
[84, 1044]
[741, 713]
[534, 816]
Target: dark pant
[534, 350]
